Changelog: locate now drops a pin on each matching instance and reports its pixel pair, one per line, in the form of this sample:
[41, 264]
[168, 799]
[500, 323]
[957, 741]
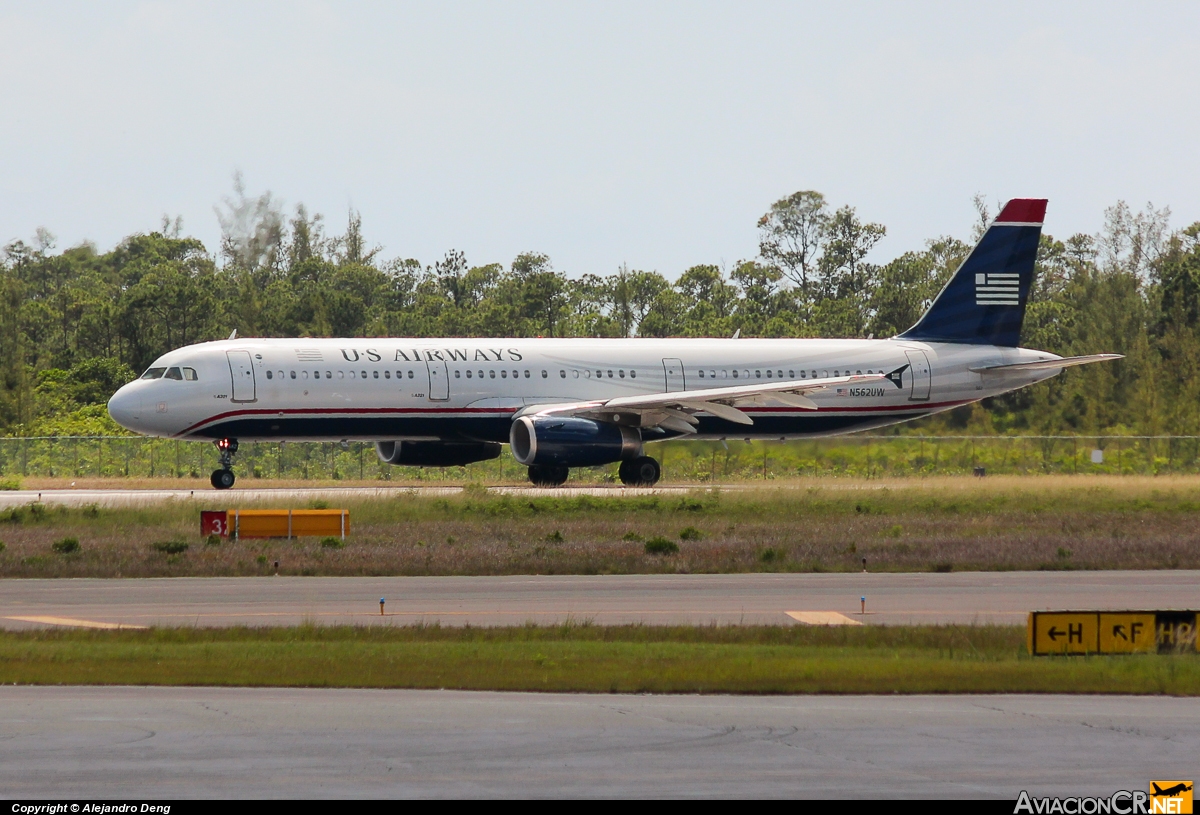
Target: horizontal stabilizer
[1045, 364]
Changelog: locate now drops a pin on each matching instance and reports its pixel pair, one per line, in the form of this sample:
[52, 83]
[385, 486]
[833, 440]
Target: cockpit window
[153, 373]
[189, 374]
[173, 373]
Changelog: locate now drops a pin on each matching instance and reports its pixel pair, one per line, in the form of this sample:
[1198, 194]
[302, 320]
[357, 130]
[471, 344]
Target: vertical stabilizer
[984, 302]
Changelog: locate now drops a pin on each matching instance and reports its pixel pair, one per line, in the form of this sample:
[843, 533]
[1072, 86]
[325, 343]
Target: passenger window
[352, 374]
[304, 374]
[363, 374]
[575, 373]
[374, 374]
[779, 374]
[153, 373]
[858, 373]
[545, 374]
[468, 374]
[599, 374]
[701, 373]
[479, 374]
[768, 373]
[735, 375]
[491, 374]
[293, 374]
[388, 374]
[190, 374]
[758, 374]
[526, 373]
[341, 374]
[269, 375]
[504, 374]
[825, 374]
[562, 374]
[791, 374]
[633, 374]
[411, 375]
[621, 374]
[458, 374]
[745, 374]
[587, 374]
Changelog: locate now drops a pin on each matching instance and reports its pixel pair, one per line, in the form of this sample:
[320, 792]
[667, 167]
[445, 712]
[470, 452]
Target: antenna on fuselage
[233, 334]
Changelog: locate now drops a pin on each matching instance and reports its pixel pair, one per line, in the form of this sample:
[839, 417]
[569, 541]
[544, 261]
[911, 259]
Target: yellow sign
[1131, 633]
[1112, 632]
[1066, 633]
[1170, 797]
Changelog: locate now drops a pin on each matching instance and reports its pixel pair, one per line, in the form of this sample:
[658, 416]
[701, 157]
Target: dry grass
[959, 523]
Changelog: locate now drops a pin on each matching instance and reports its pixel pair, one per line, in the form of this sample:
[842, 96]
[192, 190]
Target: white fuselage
[459, 389]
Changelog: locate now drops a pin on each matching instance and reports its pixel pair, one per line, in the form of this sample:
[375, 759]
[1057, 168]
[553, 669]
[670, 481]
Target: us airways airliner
[562, 403]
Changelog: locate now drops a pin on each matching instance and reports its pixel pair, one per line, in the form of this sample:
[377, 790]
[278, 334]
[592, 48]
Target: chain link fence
[862, 456]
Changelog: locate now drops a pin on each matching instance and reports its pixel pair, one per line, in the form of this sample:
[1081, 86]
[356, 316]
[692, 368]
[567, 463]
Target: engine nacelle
[436, 453]
[572, 442]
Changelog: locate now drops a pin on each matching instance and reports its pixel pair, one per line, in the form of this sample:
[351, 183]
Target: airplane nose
[125, 407]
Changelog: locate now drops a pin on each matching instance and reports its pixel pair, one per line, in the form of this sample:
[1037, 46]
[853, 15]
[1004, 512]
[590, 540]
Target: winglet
[1023, 211]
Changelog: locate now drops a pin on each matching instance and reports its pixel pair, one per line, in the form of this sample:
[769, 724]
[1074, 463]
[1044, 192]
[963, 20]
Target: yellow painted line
[70, 621]
[821, 618]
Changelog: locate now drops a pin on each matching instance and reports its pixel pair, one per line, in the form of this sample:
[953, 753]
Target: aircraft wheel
[222, 479]
[548, 475]
[642, 471]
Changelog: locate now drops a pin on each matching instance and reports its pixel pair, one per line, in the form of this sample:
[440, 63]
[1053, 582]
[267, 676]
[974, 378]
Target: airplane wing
[1045, 364]
[677, 410]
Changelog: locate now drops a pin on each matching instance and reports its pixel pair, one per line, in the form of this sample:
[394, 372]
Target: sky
[648, 133]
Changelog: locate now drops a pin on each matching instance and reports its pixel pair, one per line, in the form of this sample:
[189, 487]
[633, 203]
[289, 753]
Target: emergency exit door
[673, 370]
[242, 371]
[918, 365]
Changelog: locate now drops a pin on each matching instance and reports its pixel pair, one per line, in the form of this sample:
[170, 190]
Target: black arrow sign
[1119, 631]
[1054, 633]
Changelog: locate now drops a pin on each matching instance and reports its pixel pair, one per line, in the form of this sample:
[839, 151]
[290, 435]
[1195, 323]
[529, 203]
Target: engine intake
[572, 442]
[436, 453]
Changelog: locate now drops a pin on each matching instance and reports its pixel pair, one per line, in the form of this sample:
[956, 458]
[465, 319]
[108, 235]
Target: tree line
[77, 323]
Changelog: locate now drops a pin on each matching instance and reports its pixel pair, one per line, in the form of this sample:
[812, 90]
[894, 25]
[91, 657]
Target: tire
[642, 471]
[548, 475]
[222, 479]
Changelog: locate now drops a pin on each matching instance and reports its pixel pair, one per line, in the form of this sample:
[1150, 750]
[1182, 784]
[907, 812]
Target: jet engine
[435, 453]
[570, 442]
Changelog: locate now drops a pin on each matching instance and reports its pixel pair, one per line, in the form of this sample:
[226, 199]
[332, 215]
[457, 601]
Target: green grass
[585, 658]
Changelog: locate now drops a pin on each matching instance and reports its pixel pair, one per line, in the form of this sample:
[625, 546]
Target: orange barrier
[275, 523]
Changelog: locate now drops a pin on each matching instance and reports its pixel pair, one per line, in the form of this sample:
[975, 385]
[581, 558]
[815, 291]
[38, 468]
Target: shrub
[1064, 553]
[943, 568]
[37, 511]
[1, 546]
[632, 536]
[170, 547]
[318, 504]
[10, 483]
[212, 540]
[13, 516]
[91, 511]
[770, 555]
[261, 560]
[332, 543]
[690, 534]
[894, 531]
[661, 546]
[554, 537]
[65, 546]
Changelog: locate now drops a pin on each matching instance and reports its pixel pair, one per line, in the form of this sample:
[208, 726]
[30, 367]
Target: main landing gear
[223, 479]
[548, 475]
[642, 471]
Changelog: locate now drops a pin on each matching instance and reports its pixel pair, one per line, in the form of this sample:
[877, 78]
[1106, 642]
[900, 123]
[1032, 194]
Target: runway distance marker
[1111, 632]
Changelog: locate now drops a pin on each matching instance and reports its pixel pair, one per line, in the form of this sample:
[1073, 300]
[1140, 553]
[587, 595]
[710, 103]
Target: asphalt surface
[117, 743]
[968, 597]
[293, 495]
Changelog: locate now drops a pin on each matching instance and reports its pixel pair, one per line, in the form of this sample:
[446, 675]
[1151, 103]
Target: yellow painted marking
[822, 618]
[1127, 633]
[70, 621]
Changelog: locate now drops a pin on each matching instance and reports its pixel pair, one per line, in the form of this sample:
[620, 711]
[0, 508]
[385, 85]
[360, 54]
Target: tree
[790, 236]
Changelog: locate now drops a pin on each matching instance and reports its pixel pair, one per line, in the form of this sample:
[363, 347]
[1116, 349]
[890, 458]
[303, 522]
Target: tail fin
[984, 302]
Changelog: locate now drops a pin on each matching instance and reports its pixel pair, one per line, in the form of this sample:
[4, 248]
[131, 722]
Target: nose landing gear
[223, 478]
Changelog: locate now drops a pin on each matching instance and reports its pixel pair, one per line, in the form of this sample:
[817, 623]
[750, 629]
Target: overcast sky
[653, 134]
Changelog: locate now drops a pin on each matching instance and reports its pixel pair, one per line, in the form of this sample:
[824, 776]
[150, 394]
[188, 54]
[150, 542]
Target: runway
[968, 597]
[153, 743]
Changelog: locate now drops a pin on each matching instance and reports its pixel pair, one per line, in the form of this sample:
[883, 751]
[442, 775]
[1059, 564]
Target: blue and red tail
[984, 302]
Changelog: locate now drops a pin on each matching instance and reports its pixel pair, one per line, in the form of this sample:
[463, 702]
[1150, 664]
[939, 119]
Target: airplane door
[242, 371]
[439, 380]
[921, 376]
[673, 369]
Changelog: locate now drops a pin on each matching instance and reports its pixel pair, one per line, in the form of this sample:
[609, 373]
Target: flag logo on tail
[997, 289]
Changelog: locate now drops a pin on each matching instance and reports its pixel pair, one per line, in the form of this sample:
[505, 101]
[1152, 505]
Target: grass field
[582, 658]
[948, 523]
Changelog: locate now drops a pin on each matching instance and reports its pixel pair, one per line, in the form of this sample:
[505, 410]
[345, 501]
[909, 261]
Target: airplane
[1170, 792]
[563, 403]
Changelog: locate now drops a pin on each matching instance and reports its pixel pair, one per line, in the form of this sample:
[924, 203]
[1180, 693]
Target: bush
[212, 540]
[170, 547]
[690, 534]
[661, 546]
[10, 483]
[332, 543]
[317, 504]
[91, 511]
[37, 511]
[770, 555]
[1, 546]
[632, 536]
[554, 537]
[65, 546]
[943, 568]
